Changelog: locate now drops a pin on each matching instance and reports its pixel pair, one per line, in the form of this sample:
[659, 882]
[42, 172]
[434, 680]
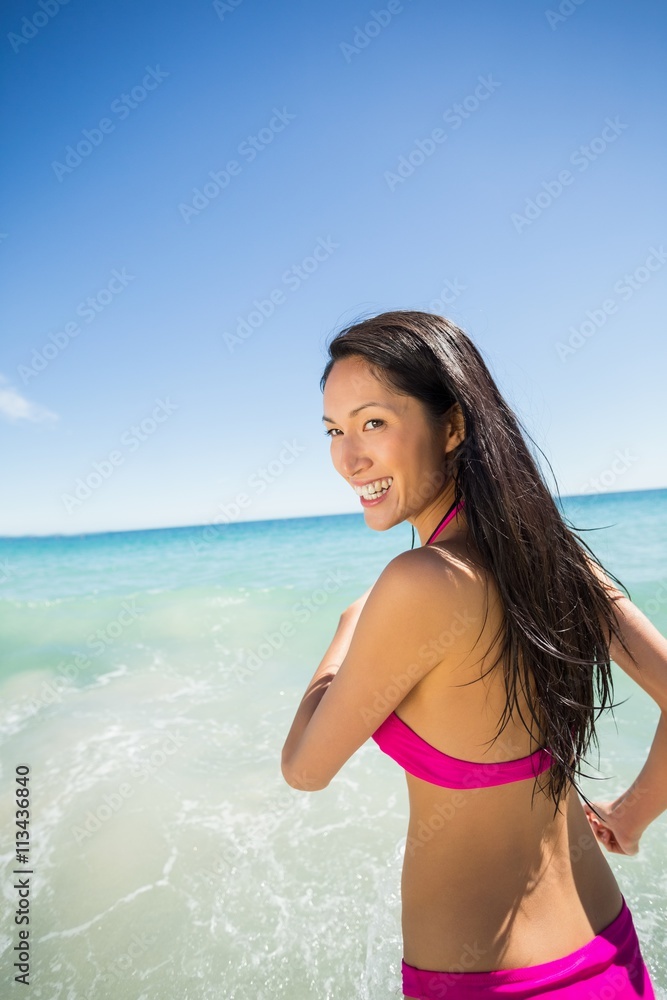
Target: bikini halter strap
[451, 513]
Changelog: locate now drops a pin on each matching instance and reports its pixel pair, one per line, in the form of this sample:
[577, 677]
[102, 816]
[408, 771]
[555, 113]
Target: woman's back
[485, 871]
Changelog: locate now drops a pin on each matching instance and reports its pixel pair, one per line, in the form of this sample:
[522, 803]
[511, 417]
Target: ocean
[148, 682]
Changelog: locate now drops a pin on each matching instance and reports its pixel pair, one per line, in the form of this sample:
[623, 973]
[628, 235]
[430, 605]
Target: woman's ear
[455, 427]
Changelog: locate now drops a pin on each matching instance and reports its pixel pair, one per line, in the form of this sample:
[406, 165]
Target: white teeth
[374, 489]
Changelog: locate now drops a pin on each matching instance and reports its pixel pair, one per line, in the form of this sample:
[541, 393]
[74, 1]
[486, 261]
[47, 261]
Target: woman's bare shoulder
[452, 563]
[443, 577]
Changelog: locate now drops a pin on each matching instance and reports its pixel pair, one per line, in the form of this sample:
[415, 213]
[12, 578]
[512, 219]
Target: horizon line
[288, 517]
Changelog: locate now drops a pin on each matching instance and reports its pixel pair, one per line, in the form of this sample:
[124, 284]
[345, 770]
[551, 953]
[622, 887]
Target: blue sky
[167, 167]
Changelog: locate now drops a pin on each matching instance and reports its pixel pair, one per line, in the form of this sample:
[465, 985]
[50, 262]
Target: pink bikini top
[419, 758]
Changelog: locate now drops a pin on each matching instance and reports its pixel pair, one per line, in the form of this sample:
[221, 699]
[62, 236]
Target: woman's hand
[614, 830]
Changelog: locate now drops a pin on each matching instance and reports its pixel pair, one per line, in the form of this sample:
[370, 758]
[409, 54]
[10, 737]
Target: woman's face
[391, 442]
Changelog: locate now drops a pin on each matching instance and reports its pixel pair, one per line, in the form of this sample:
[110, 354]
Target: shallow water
[148, 686]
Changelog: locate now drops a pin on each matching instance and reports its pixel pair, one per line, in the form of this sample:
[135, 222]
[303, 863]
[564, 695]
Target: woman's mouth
[373, 493]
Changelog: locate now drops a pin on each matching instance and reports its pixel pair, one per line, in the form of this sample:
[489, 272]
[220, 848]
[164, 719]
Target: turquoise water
[148, 685]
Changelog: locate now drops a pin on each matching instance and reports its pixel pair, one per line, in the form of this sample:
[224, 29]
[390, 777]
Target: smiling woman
[474, 662]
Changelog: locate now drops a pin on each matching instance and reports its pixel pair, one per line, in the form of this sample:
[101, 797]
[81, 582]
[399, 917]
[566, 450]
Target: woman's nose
[351, 461]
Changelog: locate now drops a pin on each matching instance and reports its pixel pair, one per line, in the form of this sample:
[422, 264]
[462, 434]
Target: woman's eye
[373, 420]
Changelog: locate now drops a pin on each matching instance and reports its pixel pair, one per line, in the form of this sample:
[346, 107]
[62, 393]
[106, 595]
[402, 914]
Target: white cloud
[14, 406]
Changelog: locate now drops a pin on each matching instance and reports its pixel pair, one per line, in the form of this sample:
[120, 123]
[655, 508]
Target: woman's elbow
[302, 780]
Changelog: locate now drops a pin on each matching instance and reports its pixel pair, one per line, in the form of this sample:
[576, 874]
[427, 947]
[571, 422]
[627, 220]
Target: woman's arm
[626, 818]
[325, 673]
[384, 636]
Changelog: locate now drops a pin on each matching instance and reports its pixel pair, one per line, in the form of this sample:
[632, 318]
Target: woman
[474, 661]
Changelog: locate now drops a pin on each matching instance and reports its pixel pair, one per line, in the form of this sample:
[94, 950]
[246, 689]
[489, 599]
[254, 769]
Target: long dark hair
[557, 610]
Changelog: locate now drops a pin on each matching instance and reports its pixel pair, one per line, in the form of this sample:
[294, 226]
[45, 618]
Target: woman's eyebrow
[354, 412]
